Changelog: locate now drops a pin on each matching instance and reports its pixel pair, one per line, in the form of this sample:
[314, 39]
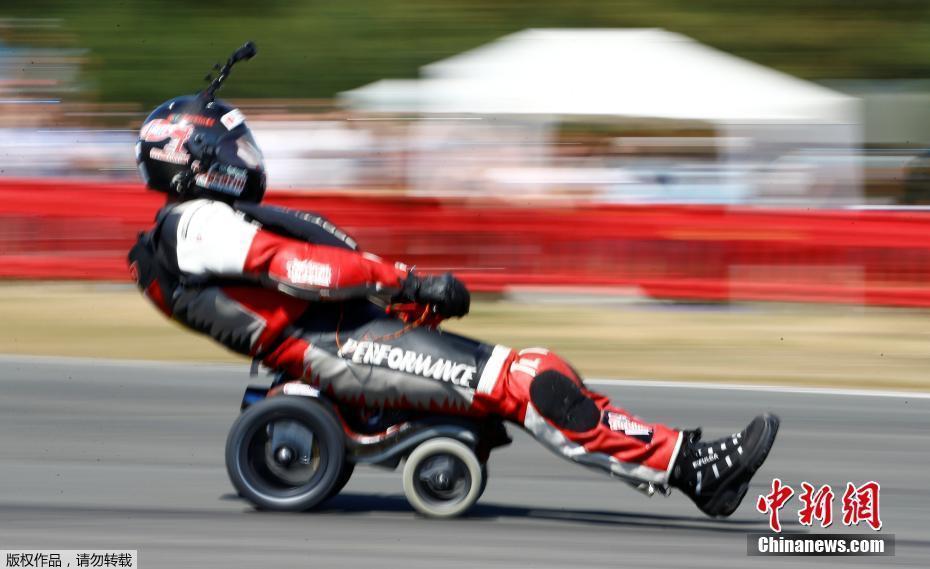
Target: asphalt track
[100, 455]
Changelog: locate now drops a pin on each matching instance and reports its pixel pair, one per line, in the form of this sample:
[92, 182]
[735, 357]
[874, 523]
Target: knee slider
[561, 400]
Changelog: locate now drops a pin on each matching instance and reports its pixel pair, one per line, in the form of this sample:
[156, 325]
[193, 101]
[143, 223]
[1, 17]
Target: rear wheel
[347, 469]
[285, 453]
[442, 478]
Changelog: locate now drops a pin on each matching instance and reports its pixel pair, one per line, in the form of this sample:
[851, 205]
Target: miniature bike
[292, 448]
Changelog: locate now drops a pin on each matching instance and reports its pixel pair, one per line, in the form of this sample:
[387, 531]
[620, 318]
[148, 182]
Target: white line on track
[116, 362]
[244, 366]
[763, 388]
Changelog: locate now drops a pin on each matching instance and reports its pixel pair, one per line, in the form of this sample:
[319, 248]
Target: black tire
[484, 480]
[347, 469]
[313, 439]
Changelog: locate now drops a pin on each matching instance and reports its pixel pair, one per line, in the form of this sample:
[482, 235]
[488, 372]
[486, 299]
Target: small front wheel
[285, 453]
[484, 480]
[442, 478]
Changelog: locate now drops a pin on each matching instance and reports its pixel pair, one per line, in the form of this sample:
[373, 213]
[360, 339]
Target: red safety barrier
[82, 230]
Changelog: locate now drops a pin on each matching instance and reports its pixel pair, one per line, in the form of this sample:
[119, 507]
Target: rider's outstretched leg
[541, 391]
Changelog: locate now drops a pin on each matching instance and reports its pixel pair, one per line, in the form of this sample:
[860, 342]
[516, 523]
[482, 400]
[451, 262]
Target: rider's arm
[319, 271]
[215, 241]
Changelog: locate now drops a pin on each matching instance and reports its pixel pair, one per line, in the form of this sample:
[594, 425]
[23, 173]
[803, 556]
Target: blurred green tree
[148, 50]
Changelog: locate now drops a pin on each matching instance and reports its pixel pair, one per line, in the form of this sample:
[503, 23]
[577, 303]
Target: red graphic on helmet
[176, 134]
[157, 130]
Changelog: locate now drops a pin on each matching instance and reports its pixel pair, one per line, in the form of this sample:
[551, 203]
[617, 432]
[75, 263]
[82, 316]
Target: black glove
[446, 294]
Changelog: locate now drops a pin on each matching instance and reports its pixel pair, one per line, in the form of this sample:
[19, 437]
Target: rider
[294, 291]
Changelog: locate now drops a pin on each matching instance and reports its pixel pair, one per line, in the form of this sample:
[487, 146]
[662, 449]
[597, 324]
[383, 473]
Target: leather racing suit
[294, 291]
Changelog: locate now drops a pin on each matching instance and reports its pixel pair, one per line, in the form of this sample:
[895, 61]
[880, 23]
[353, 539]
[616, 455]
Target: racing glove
[447, 295]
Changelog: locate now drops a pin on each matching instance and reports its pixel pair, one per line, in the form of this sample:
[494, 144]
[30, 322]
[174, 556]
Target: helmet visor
[241, 151]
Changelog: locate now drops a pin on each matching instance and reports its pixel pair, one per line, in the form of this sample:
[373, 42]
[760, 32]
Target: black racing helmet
[198, 147]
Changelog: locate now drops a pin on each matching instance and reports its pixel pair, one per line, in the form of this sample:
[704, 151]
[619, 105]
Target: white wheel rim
[439, 508]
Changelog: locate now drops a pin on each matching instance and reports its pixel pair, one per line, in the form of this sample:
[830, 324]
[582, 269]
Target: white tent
[562, 74]
[627, 72]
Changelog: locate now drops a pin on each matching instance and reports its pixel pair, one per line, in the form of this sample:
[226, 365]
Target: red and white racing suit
[301, 305]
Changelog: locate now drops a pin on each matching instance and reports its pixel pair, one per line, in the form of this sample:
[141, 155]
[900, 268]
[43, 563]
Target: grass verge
[808, 345]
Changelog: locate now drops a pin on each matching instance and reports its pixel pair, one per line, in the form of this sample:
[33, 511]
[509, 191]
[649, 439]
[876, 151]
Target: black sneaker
[716, 475]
